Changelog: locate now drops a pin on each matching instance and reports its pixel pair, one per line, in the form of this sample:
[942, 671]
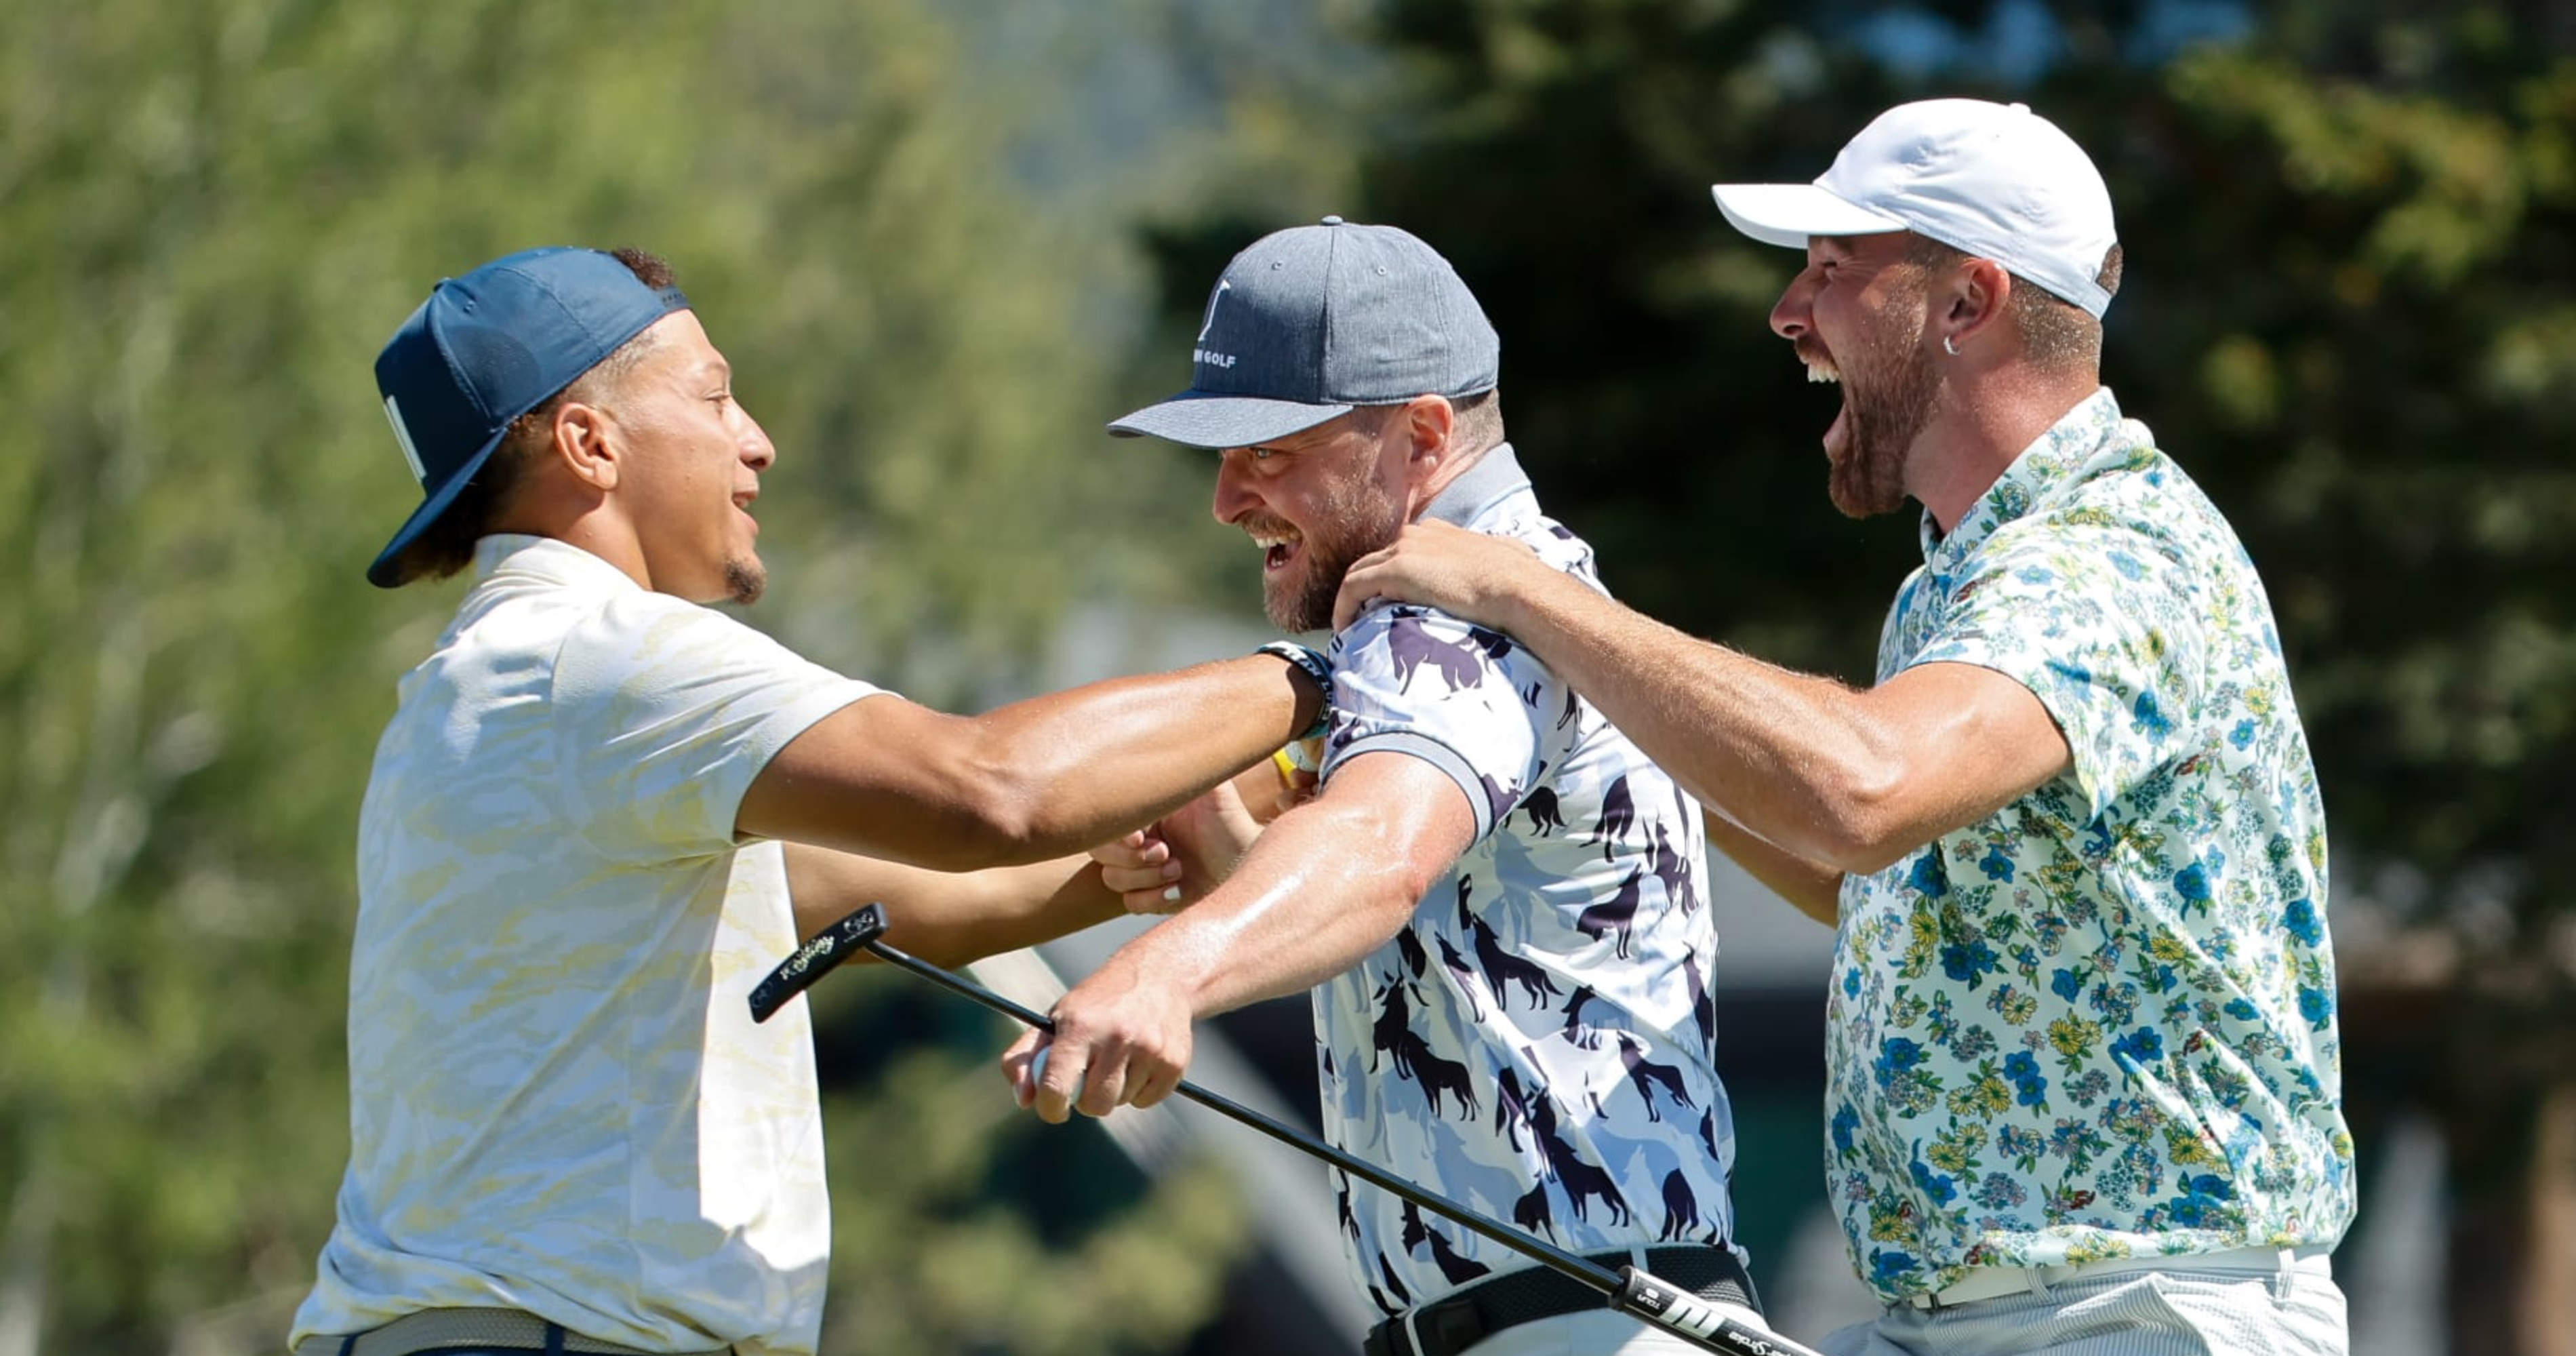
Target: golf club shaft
[1630, 1290]
[1536, 1250]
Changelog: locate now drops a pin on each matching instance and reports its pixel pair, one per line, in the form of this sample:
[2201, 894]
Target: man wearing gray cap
[1496, 902]
[2083, 1071]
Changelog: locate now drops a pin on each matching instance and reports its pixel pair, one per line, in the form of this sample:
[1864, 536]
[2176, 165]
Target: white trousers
[2173, 1312]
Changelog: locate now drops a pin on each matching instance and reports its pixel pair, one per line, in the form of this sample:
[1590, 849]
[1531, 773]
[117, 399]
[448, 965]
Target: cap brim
[1786, 214]
[387, 571]
[1195, 420]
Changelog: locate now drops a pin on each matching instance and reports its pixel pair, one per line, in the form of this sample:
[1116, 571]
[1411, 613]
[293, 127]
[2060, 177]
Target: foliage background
[213, 215]
[941, 242]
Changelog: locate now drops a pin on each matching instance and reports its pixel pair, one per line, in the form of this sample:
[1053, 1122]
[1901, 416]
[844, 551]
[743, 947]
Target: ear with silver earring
[1949, 347]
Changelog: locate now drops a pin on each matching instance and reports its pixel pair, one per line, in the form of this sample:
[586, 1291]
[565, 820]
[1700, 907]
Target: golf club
[1710, 1324]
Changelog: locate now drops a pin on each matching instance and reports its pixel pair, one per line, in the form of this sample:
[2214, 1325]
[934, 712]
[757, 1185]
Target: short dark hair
[1480, 419]
[447, 544]
[2054, 331]
[1478, 424]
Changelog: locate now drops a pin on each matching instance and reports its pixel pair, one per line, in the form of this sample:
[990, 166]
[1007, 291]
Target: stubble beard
[1357, 518]
[745, 579]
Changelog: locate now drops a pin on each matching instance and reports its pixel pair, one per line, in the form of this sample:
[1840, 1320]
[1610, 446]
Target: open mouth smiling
[1278, 548]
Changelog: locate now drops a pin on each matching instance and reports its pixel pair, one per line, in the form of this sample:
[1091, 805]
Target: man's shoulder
[2130, 482]
[1409, 635]
[517, 612]
[2137, 507]
[1403, 640]
[591, 643]
[643, 625]
[1519, 517]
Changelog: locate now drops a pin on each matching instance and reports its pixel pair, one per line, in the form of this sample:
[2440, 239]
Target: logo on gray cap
[1201, 354]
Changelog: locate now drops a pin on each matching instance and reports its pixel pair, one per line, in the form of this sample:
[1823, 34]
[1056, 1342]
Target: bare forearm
[1301, 908]
[1112, 755]
[1814, 888]
[1033, 780]
[1792, 758]
[1325, 885]
[950, 918]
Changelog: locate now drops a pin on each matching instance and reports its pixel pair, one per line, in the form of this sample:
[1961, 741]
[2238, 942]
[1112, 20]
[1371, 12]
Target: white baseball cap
[1996, 180]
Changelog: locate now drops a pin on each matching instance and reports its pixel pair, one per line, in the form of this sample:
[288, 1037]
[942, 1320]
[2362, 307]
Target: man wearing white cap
[2084, 1083]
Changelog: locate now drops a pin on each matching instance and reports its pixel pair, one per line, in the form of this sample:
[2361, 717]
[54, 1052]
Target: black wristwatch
[1305, 657]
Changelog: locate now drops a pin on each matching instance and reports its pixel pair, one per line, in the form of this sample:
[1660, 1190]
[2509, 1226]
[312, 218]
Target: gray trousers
[2173, 1312]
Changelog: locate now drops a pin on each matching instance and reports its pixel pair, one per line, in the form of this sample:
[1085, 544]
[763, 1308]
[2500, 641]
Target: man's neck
[589, 527]
[1983, 428]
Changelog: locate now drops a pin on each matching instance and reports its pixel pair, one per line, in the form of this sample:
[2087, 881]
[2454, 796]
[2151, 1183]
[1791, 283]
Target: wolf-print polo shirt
[558, 1100]
[2101, 1021]
[1537, 1043]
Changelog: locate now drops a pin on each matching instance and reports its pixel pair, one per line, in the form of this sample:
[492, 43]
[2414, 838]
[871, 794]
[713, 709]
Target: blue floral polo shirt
[2102, 1021]
[1538, 1042]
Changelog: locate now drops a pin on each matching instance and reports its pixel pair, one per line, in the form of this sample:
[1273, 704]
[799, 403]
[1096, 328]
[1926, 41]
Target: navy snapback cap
[1309, 322]
[490, 346]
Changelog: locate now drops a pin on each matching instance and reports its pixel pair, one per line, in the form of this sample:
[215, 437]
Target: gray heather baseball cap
[1312, 321]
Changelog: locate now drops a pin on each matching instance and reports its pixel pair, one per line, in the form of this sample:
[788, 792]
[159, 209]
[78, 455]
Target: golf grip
[1714, 1324]
[1650, 1299]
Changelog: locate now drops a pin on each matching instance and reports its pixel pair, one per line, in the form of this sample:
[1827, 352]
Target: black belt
[1457, 1322]
[469, 1332]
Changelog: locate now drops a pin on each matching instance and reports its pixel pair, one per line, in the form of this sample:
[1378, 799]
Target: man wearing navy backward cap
[1497, 903]
[2084, 1087]
[601, 811]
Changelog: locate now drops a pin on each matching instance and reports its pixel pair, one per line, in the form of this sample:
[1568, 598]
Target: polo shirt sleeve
[667, 712]
[1463, 698]
[2100, 622]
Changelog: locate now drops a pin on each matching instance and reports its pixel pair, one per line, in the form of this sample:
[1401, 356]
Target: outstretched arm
[949, 918]
[1037, 779]
[1326, 884]
[1849, 780]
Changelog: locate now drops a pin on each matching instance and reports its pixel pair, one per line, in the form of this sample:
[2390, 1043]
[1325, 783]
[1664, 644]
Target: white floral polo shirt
[2100, 1022]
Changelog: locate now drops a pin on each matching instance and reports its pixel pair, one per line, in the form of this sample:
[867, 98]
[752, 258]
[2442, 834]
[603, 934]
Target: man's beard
[1886, 402]
[745, 579]
[1357, 518]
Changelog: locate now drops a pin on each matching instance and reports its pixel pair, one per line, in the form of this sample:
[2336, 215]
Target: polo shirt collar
[2051, 460]
[1495, 477]
[556, 562]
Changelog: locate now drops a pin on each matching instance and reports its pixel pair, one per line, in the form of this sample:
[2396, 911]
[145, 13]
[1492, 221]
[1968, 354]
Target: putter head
[815, 959]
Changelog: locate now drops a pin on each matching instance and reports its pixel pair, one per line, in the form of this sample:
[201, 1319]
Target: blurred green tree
[214, 215]
[2350, 313]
